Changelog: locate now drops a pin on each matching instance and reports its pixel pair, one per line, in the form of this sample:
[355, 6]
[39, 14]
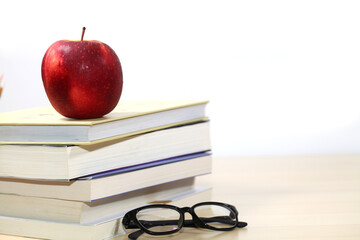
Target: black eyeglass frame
[130, 220]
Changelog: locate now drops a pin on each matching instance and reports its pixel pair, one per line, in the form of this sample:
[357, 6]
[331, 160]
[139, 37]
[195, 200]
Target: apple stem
[83, 32]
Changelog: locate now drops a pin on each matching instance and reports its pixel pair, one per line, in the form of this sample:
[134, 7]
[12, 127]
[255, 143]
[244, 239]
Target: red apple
[82, 79]
[1, 84]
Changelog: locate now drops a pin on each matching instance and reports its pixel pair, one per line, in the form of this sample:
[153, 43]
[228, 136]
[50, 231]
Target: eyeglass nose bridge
[196, 222]
[186, 209]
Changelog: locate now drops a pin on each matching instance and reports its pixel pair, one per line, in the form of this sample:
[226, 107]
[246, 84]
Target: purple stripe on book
[145, 165]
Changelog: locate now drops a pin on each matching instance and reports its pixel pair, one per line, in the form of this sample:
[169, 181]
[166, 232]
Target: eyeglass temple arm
[187, 223]
[220, 219]
[135, 235]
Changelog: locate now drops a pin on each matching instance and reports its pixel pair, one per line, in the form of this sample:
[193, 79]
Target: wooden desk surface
[284, 198]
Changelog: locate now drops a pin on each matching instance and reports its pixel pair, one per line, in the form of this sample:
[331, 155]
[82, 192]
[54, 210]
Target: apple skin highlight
[82, 79]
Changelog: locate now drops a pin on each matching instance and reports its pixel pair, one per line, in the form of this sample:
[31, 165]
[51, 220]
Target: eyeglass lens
[159, 219]
[216, 216]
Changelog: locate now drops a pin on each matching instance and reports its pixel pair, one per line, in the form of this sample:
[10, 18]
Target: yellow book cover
[45, 126]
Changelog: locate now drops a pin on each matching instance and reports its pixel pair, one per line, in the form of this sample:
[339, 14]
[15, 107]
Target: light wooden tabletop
[284, 198]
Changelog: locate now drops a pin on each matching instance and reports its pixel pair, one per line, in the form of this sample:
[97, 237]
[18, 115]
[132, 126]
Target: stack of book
[74, 179]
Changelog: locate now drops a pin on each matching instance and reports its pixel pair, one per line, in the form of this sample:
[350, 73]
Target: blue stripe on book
[145, 165]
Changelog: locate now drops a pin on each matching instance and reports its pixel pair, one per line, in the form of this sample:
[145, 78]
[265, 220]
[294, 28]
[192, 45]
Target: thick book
[64, 162]
[96, 187]
[57, 210]
[110, 228]
[45, 126]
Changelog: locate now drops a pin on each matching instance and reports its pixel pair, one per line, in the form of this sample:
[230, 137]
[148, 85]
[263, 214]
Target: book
[45, 126]
[93, 188]
[88, 212]
[64, 162]
[95, 231]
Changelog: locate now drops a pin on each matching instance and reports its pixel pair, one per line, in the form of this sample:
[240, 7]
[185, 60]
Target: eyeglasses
[162, 219]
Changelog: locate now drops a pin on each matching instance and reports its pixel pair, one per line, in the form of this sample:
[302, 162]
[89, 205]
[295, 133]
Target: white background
[282, 76]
